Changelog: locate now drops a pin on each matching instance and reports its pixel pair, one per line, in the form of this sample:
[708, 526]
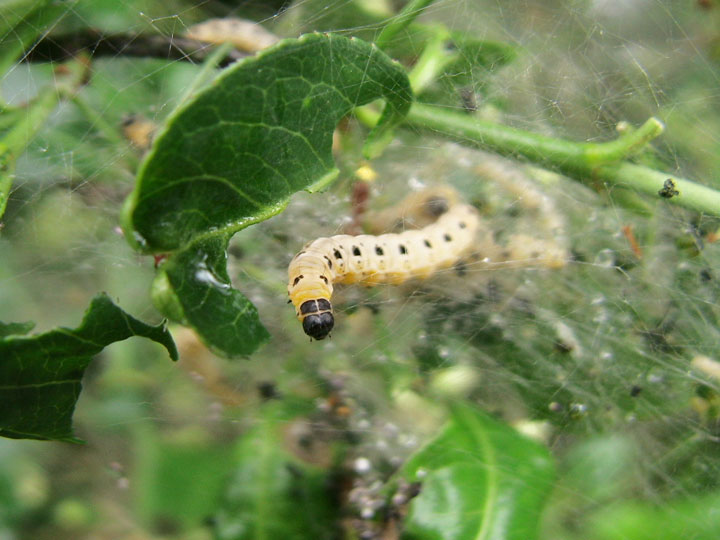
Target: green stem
[406, 16]
[15, 140]
[208, 70]
[626, 145]
[650, 181]
[431, 62]
[587, 162]
[501, 139]
[110, 132]
[368, 115]
[21, 27]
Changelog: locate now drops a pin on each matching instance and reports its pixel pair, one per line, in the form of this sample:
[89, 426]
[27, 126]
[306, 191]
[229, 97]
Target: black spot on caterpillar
[387, 258]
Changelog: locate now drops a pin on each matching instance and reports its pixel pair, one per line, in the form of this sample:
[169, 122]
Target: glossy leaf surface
[193, 288]
[41, 374]
[481, 480]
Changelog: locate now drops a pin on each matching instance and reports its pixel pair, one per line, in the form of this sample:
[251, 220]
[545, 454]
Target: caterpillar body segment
[388, 258]
[417, 210]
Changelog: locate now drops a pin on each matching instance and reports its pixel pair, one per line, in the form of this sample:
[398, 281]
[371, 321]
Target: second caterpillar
[387, 258]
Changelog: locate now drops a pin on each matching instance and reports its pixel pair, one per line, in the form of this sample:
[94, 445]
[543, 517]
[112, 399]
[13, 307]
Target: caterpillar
[387, 258]
[242, 33]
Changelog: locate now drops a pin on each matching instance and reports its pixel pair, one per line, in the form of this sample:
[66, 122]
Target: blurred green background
[608, 361]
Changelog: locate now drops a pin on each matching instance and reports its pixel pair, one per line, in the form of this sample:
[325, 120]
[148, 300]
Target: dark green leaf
[273, 494]
[235, 154]
[40, 375]
[262, 131]
[480, 479]
[16, 329]
[193, 288]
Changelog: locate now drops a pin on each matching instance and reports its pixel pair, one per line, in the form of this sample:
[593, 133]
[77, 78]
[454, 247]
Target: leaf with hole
[234, 155]
[41, 375]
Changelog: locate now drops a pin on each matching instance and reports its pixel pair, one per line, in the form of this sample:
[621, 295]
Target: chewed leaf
[480, 479]
[262, 131]
[16, 329]
[235, 154]
[41, 374]
[193, 288]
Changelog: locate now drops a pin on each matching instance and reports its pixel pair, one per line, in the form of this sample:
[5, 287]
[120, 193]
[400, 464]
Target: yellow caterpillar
[387, 258]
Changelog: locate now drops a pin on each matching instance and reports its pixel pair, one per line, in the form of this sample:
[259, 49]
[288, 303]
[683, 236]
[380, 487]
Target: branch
[586, 162]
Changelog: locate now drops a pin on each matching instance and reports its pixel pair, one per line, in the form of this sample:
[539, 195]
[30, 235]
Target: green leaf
[14, 140]
[40, 375]
[697, 518]
[262, 131]
[234, 155]
[273, 494]
[17, 329]
[193, 288]
[481, 480]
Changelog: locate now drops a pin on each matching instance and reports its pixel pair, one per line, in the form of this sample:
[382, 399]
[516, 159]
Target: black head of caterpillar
[318, 319]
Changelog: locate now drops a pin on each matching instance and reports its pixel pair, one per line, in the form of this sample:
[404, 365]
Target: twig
[587, 162]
